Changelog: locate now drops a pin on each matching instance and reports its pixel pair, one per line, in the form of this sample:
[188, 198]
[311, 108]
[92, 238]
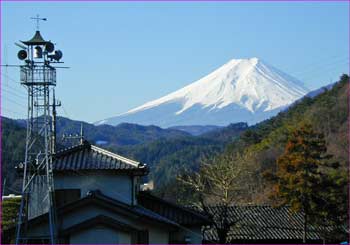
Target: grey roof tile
[90, 157]
[261, 223]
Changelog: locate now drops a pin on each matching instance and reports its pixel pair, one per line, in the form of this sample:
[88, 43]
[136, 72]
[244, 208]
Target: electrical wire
[65, 112]
[9, 77]
[12, 112]
[6, 90]
[320, 65]
[14, 102]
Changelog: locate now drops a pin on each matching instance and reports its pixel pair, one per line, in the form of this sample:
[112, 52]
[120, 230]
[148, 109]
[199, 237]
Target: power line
[13, 88]
[322, 64]
[13, 101]
[6, 90]
[65, 112]
[10, 78]
[6, 87]
[341, 61]
[328, 69]
[12, 112]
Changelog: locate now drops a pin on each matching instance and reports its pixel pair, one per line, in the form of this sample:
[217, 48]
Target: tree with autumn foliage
[308, 181]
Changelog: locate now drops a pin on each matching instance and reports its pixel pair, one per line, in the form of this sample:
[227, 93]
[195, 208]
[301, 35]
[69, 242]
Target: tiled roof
[97, 198]
[261, 223]
[137, 209]
[89, 157]
[179, 214]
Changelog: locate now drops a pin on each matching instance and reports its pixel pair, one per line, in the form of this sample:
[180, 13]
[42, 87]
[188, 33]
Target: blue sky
[124, 54]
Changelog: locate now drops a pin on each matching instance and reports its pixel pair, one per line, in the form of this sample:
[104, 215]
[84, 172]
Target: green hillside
[149, 144]
[12, 152]
[261, 145]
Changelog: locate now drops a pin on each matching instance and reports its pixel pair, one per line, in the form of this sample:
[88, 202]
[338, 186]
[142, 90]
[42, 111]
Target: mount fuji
[242, 90]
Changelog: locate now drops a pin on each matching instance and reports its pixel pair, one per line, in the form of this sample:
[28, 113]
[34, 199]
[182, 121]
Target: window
[65, 196]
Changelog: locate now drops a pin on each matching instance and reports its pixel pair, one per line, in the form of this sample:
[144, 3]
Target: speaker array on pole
[49, 47]
[22, 54]
[57, 55]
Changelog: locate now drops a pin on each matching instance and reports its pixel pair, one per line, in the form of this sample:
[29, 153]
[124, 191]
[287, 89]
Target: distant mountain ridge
[196, 129]
[115, 136]
[120, 135]
[242, 90]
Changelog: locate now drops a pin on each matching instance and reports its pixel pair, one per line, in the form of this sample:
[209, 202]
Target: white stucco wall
[119, 187]
[115, 186]
[100, 234]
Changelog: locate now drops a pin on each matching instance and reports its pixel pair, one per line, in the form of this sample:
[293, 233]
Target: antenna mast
[39, 77]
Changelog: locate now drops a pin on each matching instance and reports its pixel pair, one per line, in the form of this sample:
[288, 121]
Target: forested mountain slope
[12, 151]
[262, 144]
[149, 144]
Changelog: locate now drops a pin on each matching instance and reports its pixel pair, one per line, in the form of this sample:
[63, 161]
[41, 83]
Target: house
[98, 200]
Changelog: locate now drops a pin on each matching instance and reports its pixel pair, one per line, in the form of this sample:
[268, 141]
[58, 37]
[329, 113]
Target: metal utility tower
[39, 77]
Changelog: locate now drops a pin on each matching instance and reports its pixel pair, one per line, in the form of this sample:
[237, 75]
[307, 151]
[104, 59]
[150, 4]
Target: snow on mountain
[242, 90]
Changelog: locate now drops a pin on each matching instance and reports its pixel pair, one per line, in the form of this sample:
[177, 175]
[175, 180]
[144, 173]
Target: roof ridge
[71, 148]
[89, 157]
[114, 155]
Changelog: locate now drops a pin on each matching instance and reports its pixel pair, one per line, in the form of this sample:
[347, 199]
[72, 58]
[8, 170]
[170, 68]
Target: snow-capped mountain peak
[248, 86]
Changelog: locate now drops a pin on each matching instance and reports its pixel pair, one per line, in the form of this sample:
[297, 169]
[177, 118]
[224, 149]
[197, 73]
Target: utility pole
[75, 136]
[54, 122]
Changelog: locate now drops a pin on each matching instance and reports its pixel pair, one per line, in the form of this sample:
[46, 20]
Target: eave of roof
[99, 220]
[37, 39]
[196, 217]
[87, 157]
[96, 198]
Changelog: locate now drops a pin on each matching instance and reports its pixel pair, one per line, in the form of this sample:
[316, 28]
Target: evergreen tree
[306, 180]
